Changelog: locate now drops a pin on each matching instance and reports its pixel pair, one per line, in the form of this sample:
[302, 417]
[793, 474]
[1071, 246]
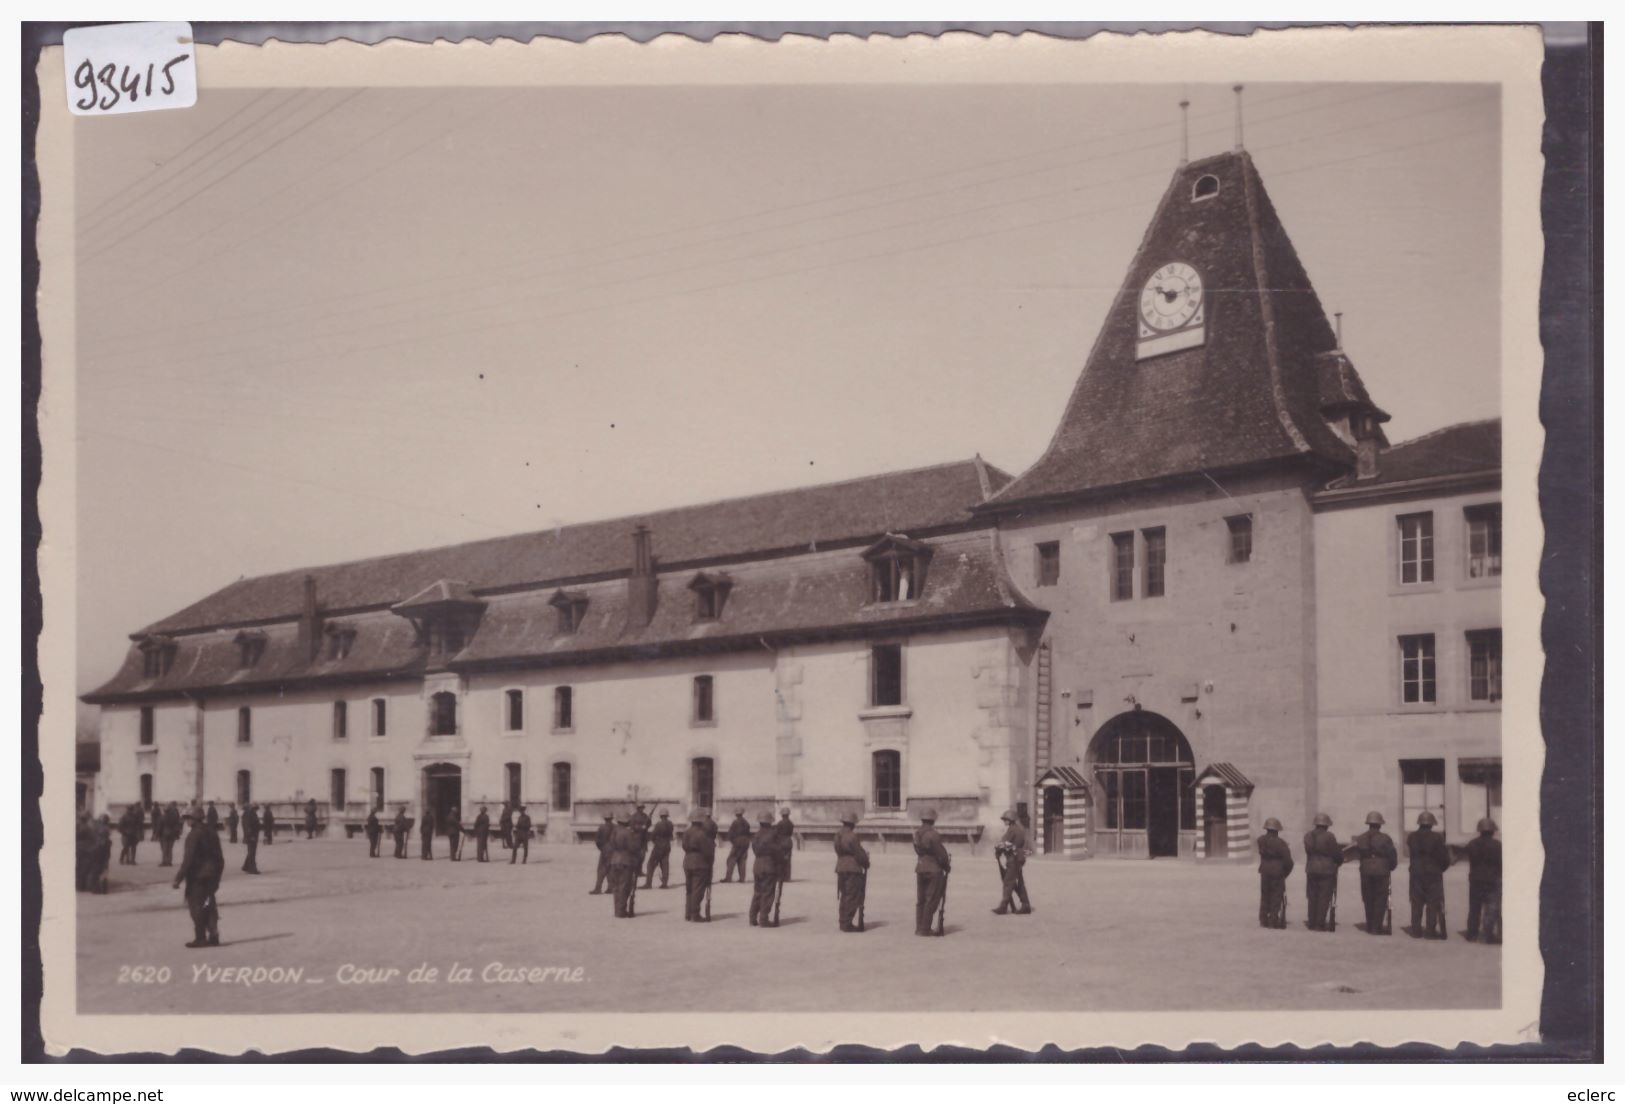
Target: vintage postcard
[932, 540]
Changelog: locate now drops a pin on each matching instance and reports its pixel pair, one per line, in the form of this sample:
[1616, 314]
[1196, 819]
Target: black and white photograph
[792, 543]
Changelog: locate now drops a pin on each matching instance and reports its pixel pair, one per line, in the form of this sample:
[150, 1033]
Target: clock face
[1172, 299]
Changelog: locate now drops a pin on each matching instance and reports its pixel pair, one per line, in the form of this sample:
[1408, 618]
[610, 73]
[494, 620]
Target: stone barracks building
[1219, 595]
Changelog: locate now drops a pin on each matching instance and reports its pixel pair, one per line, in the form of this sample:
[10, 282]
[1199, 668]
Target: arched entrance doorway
[1144, 775]
[442, 791]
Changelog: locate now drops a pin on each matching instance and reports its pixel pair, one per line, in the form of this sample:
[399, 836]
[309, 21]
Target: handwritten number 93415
[115, 82]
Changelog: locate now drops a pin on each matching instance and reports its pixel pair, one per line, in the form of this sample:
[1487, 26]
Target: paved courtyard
[322, 929]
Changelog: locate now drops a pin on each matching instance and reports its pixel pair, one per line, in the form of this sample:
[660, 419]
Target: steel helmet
[1425, 820]
[1322, 820]
[1486, 825]
[1374, 818]
[1272, 825]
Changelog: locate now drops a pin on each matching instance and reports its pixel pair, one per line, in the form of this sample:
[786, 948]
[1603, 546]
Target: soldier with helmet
[1274, 864]
[1322, 855]
[623, 864]
[1012, 849]
[1430, 858]
[1377, 861]
[660, 850]
[930, 873]
[851, 866]
[787, 834]
[605, 833]
[738, 846]
[699, 855]
[765, 846]
[1484, 884]
[202, 865]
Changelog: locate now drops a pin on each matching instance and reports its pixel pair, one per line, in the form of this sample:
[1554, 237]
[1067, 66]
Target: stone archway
[1144, 775]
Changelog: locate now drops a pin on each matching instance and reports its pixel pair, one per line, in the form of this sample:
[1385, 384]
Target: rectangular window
[245, 726]
[336, 794]
[1156, 558]
[1241, 538]
[146, 787]
[888, 772]
[513, 777]
[1484, 665]
[886, 674]
[1134, 802]
[704, 700]
[1484, 541]
[1416, 548]
[1122, 566]
[561, 787]
[1049, 563]
[378, 788]
[1417, 684]
[341, 720]
[148, 728]
[380, 717]
[1421, 790]
[515, 701]
[564, 717]
[245, 787]
[702, 775]
[705, 603]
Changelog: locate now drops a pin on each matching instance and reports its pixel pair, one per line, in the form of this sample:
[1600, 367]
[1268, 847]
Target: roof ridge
[1432, 433]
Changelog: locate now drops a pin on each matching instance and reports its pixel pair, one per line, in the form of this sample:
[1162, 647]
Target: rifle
[1388, 914]
[708, 900]
[942, 909]
[863, 895]
[1444, 921]
[1331, 921]
[632, 898]
[778, 897]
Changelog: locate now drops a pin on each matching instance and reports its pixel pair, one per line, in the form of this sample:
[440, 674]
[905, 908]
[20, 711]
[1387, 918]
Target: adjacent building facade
[1219, 595]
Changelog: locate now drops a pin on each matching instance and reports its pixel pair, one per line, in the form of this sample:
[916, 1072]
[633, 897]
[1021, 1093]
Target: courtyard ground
[1105, 936]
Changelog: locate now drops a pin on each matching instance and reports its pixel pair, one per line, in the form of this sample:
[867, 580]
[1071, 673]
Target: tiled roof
[1068, 777]
[1250, 394]
[916, 501]
[1454, 450]
[1226, 773]
[811, 596]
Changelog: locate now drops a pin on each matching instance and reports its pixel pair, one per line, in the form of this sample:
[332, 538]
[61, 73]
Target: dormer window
[1206, 187]
[710, 595]
[250, 648]
[340, 638]
[897, 568]
[572, 611]
[157, 656]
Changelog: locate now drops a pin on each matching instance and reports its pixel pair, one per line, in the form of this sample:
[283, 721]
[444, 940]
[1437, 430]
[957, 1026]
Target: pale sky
[323, 324]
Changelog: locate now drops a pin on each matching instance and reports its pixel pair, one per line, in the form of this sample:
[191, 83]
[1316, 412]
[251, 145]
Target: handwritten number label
[126, 67]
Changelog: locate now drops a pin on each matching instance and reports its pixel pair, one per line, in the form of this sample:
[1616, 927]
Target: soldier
[202, 864]
[505, 826]
[375, 833]
[211, 817]
[251, 836]
[623, 865]
[1483, 883]
[231, 821]
[851, 872]
[930, 873]
[1322, 855]
[640, 833]
[738, 846]
[1377, 861]
[1430, 858]
[126, 853]
[660, 837]
[171, 833]
[521, 839]
[1014, 849]
[426, 834]
[482, 833]
[310, 819]
[787, 831]
[605, 833]
[711, 833]
[1274, 864]
[268, 825]
[101, 851]
[765, 845]
[699, 854]
[402, 828]
[454, 834]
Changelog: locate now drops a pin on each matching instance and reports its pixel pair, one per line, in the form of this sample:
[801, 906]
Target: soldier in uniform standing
[505, 826]
[1483, 884]
[251, 837]
[851, 865]
[1322, 855]
[606, 832]
[454, 834]
[699, 855]
[268, 824]
[171, 833]
[640, 835]
[1377, 861]
[202, 864]
[375, 833]
[426, 834]
[765, 845]
[660, 837]
[1014, 849]
[482, 834]
[787, 831]
[521, 839]
[310, 819]
[231, 821]
[930, 873]
[1274, 864]
[1430, 858]
[401, 827]
[623, 865]
[738, 846]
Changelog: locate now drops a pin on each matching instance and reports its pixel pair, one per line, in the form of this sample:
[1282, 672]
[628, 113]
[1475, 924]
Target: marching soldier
[851, 871]
[1483, 883]
[426, 834]
[765, 845]
[521, 839]
[482, 833]
[1322, 855]
[375, 833]
[310, 819]
[1013, 847]
[623, 865]
[402, 829]
[738, 846]
[202, 864]
[699, 855]
[606, 832]
[787, 831]
[454, 834]
[1430, 858]
[930, 873]
[251, 837]
[505, 826]
[1377, 861]
[660, 837]
[231, 821]
[1274, 864]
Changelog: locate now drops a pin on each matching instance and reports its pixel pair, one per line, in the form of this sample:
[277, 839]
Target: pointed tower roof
[1251, 392]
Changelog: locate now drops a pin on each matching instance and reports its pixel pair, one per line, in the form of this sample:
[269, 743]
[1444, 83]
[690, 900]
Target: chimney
[642, 586]
[1367, 443]
[309, 622]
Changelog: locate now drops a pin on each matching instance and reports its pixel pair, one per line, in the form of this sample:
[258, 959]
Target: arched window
[888, 779]
[1205, 187]
[1146, 774]
[443, 714]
